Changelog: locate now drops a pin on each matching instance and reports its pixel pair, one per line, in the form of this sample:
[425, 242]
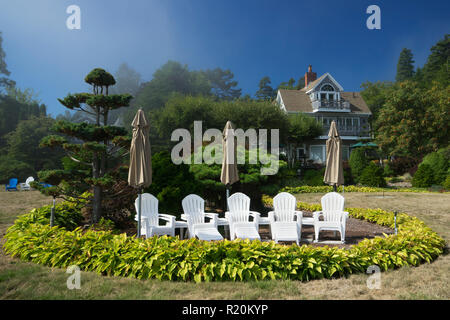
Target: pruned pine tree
[94, 149]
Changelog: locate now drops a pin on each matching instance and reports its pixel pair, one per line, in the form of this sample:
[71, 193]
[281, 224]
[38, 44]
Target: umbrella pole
[228, 195]
[139, 213]
[334, 187]
[52, 214]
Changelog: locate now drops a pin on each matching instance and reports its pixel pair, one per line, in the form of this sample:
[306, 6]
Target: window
[317, 153]
[323, 96]
[345, 152]
[327, 87]
[300, 152]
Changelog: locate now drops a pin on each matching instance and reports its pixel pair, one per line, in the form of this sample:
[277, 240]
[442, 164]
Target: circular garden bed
[169, 258]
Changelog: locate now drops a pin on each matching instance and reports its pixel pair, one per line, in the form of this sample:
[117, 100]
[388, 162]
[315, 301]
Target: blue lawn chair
[12, 185]
[45, 185]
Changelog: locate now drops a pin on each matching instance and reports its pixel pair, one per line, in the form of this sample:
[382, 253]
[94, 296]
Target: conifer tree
[94, 149]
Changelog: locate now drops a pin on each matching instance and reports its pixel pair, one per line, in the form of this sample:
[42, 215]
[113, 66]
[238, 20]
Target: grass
[23, 280]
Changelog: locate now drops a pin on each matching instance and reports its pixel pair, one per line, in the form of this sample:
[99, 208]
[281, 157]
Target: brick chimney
[310, 76]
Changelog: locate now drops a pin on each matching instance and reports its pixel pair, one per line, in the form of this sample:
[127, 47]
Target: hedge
[350, 188]
[168, 258]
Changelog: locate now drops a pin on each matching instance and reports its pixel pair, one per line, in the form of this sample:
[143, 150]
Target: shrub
[314, 177]
[372, 176]
[168, 258]
[67, 215]
[402, 165]
[387, 170]
[424, 177]
[170, 183]
[325, 189]
[446, 183]
[358, 161]
[439, 162]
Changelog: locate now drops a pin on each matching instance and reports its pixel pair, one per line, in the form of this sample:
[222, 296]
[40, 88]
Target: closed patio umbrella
[140, 171]
[334, 172]
[229, 174]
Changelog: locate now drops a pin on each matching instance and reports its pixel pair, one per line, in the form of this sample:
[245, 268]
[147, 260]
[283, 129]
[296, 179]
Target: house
[325, 99]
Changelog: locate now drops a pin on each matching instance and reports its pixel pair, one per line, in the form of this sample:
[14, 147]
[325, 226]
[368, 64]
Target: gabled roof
[312, 85]
[299, 101]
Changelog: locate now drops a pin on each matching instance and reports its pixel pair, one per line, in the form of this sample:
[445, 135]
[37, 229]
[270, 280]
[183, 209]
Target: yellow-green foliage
[350, 188]
[168, 258]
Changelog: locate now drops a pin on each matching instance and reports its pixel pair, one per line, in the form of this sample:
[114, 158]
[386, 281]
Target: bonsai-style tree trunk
[95, 149]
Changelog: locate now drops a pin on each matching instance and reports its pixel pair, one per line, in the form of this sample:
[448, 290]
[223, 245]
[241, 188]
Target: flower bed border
[352, 188]
[168, 258]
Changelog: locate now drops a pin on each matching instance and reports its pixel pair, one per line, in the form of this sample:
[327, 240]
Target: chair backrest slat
[194, 206]
[239, 207]
[149, 208]
[284, 205]
[332, 206]
[29, 179]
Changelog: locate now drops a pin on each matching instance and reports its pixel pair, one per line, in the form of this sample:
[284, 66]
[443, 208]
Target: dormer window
[327, 87]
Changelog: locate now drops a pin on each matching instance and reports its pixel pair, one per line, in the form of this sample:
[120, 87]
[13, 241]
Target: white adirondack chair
[194, 211]
[334, 216]
[150, 217]
[238, 218]
[26, 185]
[285, 221]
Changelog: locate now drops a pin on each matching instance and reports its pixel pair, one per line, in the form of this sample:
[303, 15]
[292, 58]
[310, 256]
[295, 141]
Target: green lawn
[22, 280]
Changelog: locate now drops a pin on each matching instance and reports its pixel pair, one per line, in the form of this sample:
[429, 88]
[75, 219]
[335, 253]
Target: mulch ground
[356, 231]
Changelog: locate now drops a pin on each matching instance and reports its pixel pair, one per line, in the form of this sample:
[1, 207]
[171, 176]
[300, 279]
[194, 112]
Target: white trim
[281, 103]
[343, 138]
[332, 80]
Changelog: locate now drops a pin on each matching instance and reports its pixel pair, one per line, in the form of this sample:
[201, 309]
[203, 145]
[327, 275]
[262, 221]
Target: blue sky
[253, 38]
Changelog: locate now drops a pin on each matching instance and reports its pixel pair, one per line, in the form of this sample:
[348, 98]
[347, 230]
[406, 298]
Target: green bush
[439, 162]
[251, 180]
[170, 183]
[314, 177]
[424, 177]
[388, 171]
[358, 161]
[67, 215]
[168, 258]
[446, 183]
[351, 188]
[372, 176]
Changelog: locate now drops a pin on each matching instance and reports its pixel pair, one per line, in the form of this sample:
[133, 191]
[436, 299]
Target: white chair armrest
[271, 216]
[213, 216]
[169, 218]
[316, 215]
[299, 215]
[255, 216]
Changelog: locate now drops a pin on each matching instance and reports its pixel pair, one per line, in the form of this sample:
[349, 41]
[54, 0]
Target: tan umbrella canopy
[140, 171]
[334, 172]
[229, 173]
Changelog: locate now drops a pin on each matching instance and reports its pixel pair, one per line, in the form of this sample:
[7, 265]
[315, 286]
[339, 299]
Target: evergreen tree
[405, 67]
[95, 147]
[437, 66]
[222, 84]
[4, 81]
[265, 91]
